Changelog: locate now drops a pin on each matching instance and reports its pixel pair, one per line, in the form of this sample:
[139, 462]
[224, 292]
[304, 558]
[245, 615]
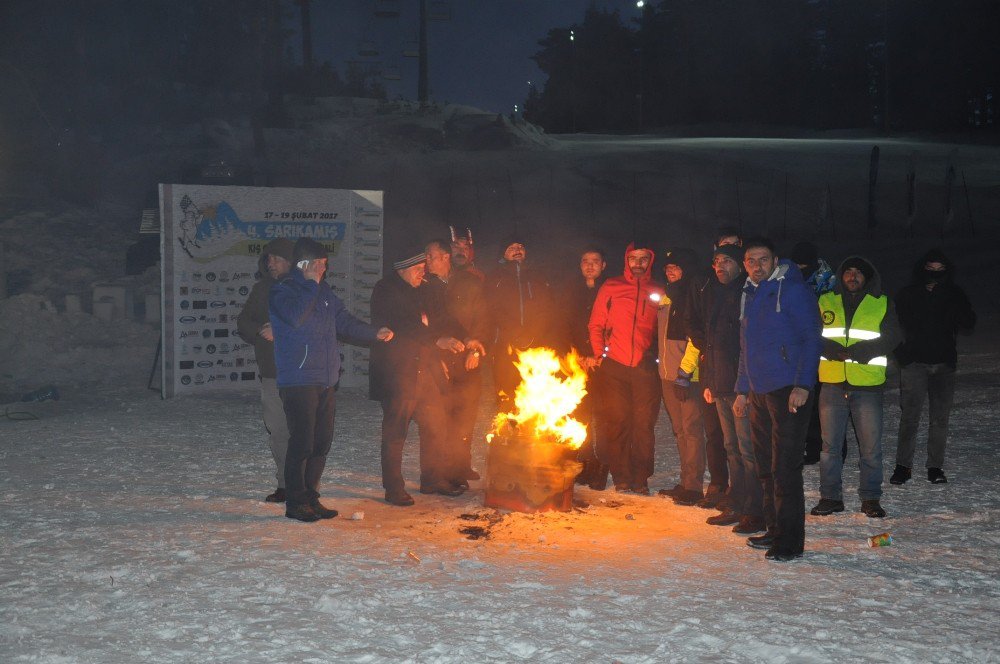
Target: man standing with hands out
[780, 341]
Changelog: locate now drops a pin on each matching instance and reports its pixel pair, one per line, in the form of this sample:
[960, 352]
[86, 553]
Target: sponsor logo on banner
[185, 304]
[188, 333]
[184, 365]
[217, 304]
[187, 320]
[210, 349]
[220, 333]
[205, 364]
[199, 379]
[223, 276]
[199, 304]
[185, 380]
[195, 349]
[244, 291]
[248, 375]
[210, 276]
[234, 377]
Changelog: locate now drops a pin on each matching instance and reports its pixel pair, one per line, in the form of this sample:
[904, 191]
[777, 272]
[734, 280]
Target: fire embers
[531, 457]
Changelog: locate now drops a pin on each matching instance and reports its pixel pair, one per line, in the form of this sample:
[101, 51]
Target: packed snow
[134, 530]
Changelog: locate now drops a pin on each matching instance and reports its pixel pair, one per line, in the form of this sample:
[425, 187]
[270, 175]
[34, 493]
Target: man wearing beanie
[408, 378]
[623, 338]
[254, 326]
[521, 307]
[678, 365]
[933, 310]
[714, 328]
[859, 332]
[306, 318]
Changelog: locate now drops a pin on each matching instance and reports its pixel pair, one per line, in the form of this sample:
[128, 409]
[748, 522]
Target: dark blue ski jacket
[780, 333]
[307, 318]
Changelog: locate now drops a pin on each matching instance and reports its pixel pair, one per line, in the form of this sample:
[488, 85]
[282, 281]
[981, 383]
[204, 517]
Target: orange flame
[549, 392]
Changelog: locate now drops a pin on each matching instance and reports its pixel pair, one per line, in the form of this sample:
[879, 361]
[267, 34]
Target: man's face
[934, 266]
[726, 269]
[515, 253]
[638, 262]
[673, 272]
[853, 279]
[438, 261]
[729, 239]
[461, 252]
[414, 274]
[277, 267]
[592, 265]
[759, 263]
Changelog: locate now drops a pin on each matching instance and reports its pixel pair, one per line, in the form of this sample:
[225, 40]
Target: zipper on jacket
[520, 292]
[635, 319]
[304, 357]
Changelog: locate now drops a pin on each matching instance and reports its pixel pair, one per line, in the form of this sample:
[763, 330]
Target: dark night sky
[480, 57]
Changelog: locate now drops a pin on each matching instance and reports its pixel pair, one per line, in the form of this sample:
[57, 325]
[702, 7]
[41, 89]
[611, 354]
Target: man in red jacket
[622, 333]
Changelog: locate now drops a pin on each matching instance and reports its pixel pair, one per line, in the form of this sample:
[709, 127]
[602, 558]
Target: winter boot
[826, 507]
[936, 476]
[901, 475]
[872, 509]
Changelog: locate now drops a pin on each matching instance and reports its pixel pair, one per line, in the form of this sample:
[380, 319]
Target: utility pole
[422, 58]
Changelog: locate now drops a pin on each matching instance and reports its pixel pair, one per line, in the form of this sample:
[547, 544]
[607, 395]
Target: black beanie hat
[682, 257]
[805, 253]
[308, 249]
[859, 264]
[733, 251]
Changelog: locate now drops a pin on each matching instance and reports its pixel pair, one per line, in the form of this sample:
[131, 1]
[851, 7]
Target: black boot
[901, 475]
[761, 541]
[322, 511]
[301, 513]
[936, 476]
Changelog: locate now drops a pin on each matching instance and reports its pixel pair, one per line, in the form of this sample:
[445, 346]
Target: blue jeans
[838, 404]
[745, 490]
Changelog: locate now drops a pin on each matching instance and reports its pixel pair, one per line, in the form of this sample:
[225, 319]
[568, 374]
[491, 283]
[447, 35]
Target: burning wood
[531, 458]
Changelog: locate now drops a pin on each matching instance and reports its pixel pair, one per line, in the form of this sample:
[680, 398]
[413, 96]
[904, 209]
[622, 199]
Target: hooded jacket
[932, 319]
[863, 350]
[623, 320]
[306, 318]
[780, 333]
[254, 314]
[520, 306]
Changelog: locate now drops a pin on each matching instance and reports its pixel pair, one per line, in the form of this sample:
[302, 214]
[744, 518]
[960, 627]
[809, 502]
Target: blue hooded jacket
[306, 318]
[780, 333]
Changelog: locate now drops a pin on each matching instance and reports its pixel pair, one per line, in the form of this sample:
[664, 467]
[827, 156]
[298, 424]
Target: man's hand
[384, 334]
[589, 363]
[476, 351]
[707, 395]
[797, 399]
[450, 344]
[740, 405]
[266, 332]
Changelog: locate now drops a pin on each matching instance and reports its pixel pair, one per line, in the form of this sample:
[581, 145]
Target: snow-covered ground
[133, 529]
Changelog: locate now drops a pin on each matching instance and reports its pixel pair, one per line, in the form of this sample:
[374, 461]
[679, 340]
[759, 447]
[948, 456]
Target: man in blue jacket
[306, 318]
[780, 343]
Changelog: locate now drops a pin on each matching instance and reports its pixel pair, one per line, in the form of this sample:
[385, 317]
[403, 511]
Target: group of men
[747, 357]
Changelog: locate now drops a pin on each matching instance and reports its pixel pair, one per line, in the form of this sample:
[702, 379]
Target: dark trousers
[506, 377]
[428, 410]
[779, 446]
[587, 413]
[309, 412]
[631, 404]
[917, 382]
[715, 443]
[463, 408]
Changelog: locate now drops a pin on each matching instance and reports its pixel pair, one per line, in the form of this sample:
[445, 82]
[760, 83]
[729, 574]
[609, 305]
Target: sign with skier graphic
[211, 242]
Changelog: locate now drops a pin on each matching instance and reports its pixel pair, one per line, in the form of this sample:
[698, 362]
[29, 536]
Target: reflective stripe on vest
[865, 326]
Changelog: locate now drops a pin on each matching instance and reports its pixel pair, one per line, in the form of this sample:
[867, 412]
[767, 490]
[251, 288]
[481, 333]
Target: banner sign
[211, 241]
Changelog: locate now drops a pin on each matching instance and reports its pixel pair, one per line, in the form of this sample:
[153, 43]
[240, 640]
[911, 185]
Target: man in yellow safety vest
[860, 329]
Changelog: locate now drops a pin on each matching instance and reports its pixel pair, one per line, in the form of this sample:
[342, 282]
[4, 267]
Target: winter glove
[861, 352]
[682, 385]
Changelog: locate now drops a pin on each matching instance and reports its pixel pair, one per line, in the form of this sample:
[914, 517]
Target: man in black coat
[521, 308]
[714, 327]
[409, 379]
[458, 300]
[577, 301]
[932, 311]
